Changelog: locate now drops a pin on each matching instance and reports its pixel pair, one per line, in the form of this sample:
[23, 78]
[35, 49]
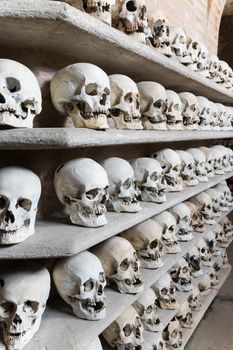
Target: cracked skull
[190, 111]
[188, 168]
[166, 292]
[181, 276]
[182, 214]
[173, 111]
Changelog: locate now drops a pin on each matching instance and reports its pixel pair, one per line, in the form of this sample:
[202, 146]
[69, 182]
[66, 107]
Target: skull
[23, 296]
[123, 191]
[223, 187]
[146, 307]
[205, 112]
[125, 106]
[213, 278]
[166, 292]
[218, 263]
[221, 115]
[190, 111]
[150, 179]
[80, 281]
[226, 155]
[181, 276]
[185, 316]
[214, 117]
[228, 122]
[220, 234]
[146, 238]
[20, 95]
[216, 200]
[194, 300]
[121, 264]
[159, 36]
[210, 239]
[197, 219]
[158, 343]
[217, 161]
[20, 191]
[82, 91]
[126, 331]
[225, 74]
[206, 257]
[200, 162]
[225, 258]
[204, 285]
[209, 161]
[227, 226]
[194, 260]
[173, 111]
[179, 45]
[213, 68]
[204, 201]
[153, 103]
[81, 185]
[171, 165]
[169, 235]
[182, 214]
[201, 53]
[172, 335]
[188, 168]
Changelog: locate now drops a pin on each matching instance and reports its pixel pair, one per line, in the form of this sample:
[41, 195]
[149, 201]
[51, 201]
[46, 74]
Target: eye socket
[129, 98]
[185, 269]
[154, 244]
[158, 104]
[13, 85]
[91, 89]
[24, 203]
[127, 330]
[149, 309]
[138, 322]
[115, 112]
[6, 309]
[88, 285]
[154, 176]
[3, 202]
[30, 306]
[127, 184]
[203, 250]
[124, 265]
[174, 333]
[131, 6]
[164, 291]
[92, 193]
[176, 107]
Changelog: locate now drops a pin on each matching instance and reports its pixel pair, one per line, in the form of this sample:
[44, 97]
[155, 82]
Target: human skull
[217, 161]
[200, 163]
[188, 168]
[205, 113]
[123, 191]
[171, 165]
[213, 278]
[159, 35]
[23, 295]
[221, 115]
[126, 331]
[227, 226]
[204, 285]
[81, 186]
[121, 264]
[195, 300]
[166, 292]
[182, 214]
[225, 258]
[150, 179]
[228, 122]
[209, 161]
[194, 260]
[169, 235]
[173, 111]
[206, 256]
[214, 117]
[185, 316]
[190, 111]
[213, 68]
[216, 201]
[82, 91]
[20, 95]
[172, 335]
[153, 104]
[20, 191]
[80, 281]
[197, 219]
[146, 238]
[158, 343]
[220, 236]
[200, 57]
[181, 276]
[179, 45]
[218, 263]
[146, 307]
[225, 74]
[204, 201]
[223, 187]
[226, 155]
[125, 106]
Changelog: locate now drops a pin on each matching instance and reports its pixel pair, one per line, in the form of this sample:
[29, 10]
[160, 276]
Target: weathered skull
[195, 300]
[82, 91]
[123, 191]
[204, 201]
[80, 281]
[20, 191]
[121, 264]
[225, 74]
[159, 36]
[200, 163]
[194, 260]
[188, 168]
[205, 113]
[172, 335]
[179, 45]
[216, 201]
[223, 187]
[171, 165]
[146, 307]
[213, 277]
[225, 258]
[169, 235]
[130, 16]
[125, 106]
[126, 331]
[228, 122]
[204, 285]
[214, 117]
[210, 239]
[185, 316]
[20, 95]
[227, 226]
[146, 238]
[182, 214]
[181, 276]
[197, 219]
[173, 111]
[23, 295]
[220, 234]
[166, 292]
[226, 155]
[190, 111]
[153, 104]
[209, 161]
[206, 257]
[150, 179]
[213, 68]
[201, 53]
[217, 161]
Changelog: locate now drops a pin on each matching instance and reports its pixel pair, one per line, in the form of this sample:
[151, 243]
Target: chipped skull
[166, 292]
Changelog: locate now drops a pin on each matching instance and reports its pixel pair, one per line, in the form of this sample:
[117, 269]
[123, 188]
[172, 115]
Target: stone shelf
[56, 237]
[63, 138]
[80, 37]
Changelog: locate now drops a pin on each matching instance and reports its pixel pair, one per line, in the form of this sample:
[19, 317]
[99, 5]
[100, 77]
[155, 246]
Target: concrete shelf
[80, 37]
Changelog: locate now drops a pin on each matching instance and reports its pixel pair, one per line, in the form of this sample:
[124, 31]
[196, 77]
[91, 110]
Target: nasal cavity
[2, 99]
[9, 217]
[17, 319]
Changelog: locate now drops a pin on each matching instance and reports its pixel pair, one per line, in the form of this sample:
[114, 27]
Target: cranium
[185, 316]
[173, 111]
[214, 117]
[153, 104]
[221, 115]
[218, 263]
[190, 111]
[121, 264]
[166, 292]
[205, 113]
[146, 238]
[206, 257]
[201, 53]
[225, 74]
[226, 157]
[225, 257]
[213, 68]
[150, 179]
[188, 168]
[172, 335]
[228, 122]
[179, 45]
[123, 191]
[200, 163]
[81, 185]
[216, 197]
[181, 276]
[195, 300]
[158, 343]
[204, 201]
[80, 281]
[223, 187]
[197, 219]
[194, 260]
[159, 36]
[213, 277]
[217, 161]
[20, 95]
[220, 236]
[209, 161]
[204, 285]
[227, 226]
[125, 106]
[182, 214]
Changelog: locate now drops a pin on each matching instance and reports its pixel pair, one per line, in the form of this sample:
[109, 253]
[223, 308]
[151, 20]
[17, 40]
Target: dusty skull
[195, 300]
[228, 122]
[174, 111]
[213, 68]
[172, 335]
[194, 260]
[182, 214]
[146, 238]
[220, 234]
[179, 44]
[200, 163]
[188, 168]
[80, 281]
[185, 316]
[126, 331]
[20, 95]
[82, 91]
[171, 165]
[227, 226]
[210, 239]
[221, 115]
[166, 292]
[181, 276]
[23, 295]
[190, 110]
[206, 257]
[20, 191]
[121, 264]
[125, 105]
[81, 185]
[153, 104]
[150, 179]
[205, 112]
[159, 34]
[197, 219]
[209, 161]
[169, 234]
[123, 191]
[214, 117]
[146, 307]
[204, 201]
